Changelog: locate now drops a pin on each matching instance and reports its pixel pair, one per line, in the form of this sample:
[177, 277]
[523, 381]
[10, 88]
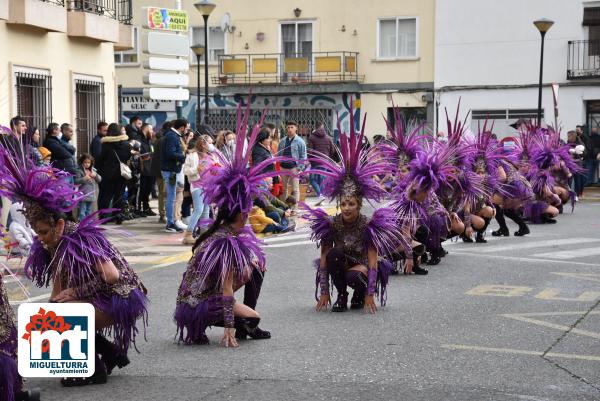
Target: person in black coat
[115, 150]
[146, 177]
[156, 168]
[262, 150]
[62, 152]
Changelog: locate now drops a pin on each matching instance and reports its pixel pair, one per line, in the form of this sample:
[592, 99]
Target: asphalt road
[513, 319]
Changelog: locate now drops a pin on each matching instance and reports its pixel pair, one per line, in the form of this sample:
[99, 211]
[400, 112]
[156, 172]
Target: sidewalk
[146, 245]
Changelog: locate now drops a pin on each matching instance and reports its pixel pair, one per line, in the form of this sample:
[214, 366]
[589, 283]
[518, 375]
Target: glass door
[296, 42]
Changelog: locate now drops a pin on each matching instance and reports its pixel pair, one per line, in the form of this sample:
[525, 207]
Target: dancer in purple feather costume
[353, 246]
[543, 159]
[227, 255]
[10, 381]
[76, 259]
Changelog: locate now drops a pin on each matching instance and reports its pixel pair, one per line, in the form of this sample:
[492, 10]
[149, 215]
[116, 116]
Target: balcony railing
[277, 68]
[583, 60]
[120, 10]
[57, 2]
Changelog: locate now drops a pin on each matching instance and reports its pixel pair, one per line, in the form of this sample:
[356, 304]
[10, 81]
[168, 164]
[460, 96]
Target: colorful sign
[167, 19]
[56, 340]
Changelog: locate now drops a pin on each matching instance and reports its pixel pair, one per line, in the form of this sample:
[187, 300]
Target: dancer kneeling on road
[227, 256]
[351, 243]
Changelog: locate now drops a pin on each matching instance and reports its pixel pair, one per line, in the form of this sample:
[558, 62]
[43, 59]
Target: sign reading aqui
[166, 19]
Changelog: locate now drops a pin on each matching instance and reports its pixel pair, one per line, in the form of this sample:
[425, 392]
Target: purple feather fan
[356, 163]
[224, 253]
[231, 183]
[21, 181]
[383, 232]
[533, 211]
[319, 223]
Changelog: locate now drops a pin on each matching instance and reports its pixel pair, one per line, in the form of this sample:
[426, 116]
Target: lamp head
[198, 49]
[543, 25]
[205, 7]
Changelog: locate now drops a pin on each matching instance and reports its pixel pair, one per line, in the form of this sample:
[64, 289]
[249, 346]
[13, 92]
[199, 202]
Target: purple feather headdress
[354, 174]
[548, 152]
[41, 189]
[433, 167]
[231, 183]
[406, 139]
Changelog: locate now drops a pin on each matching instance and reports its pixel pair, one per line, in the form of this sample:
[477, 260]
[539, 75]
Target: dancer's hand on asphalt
[228, 339]
[370, 304]
[323, 303]
[67, 295]
[408, 266]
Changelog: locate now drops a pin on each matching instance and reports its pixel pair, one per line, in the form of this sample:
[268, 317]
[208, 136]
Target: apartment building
[304, 60]
[57, 61]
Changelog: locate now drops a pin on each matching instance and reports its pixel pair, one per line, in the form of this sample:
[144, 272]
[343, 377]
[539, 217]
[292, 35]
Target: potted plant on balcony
[223, 79]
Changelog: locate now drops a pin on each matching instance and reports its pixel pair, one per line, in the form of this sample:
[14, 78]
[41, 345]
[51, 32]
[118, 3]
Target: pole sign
[167, 35]
[166, 19]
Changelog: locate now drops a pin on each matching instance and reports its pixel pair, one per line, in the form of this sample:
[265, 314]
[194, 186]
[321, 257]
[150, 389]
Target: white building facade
[487, 55]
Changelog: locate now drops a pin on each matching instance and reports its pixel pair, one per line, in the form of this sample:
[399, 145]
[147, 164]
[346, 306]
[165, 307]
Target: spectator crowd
[126, 166]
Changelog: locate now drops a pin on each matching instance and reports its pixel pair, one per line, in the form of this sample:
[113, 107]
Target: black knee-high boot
[517, 218]
[110, 354]
[479, 237]
[358, 282]
[336, 267]
[502, 231]
[248, 327]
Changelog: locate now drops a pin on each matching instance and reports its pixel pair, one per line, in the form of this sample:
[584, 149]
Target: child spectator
[46, 155]
[87, 177]
[261, 224]
[290, 202]
[20, 233]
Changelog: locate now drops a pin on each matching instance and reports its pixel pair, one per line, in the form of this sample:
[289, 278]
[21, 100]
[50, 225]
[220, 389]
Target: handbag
[124, 169]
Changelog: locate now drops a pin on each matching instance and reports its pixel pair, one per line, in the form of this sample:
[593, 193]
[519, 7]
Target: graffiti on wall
[339, 104]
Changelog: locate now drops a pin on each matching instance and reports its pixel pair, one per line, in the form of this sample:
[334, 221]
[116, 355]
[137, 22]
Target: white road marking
[527, 318]
[288, 244]
[461, 347]
[537, 244]
[570, 254]
[522, 259]
[281, 238]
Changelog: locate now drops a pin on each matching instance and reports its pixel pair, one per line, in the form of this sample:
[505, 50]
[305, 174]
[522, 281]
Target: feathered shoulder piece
[40, 189]
[231, 183]
[382, 231]
[355, 174]
[81, 248]
[225, 253]
[320, 224]
[406, 139]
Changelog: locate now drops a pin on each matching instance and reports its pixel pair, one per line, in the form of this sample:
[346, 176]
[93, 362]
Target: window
[33, 90]
[499, 120]
[89, 110]
[129, 57]
[397, 38]
[296, 39]
[216, 43]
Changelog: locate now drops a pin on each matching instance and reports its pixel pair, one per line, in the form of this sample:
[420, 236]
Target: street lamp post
[198, 51]
[205, 7]
[543, 25]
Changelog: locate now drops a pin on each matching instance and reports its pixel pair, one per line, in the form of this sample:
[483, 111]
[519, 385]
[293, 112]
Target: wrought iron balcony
[120, 10]
[277, 68]
[583, 60]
